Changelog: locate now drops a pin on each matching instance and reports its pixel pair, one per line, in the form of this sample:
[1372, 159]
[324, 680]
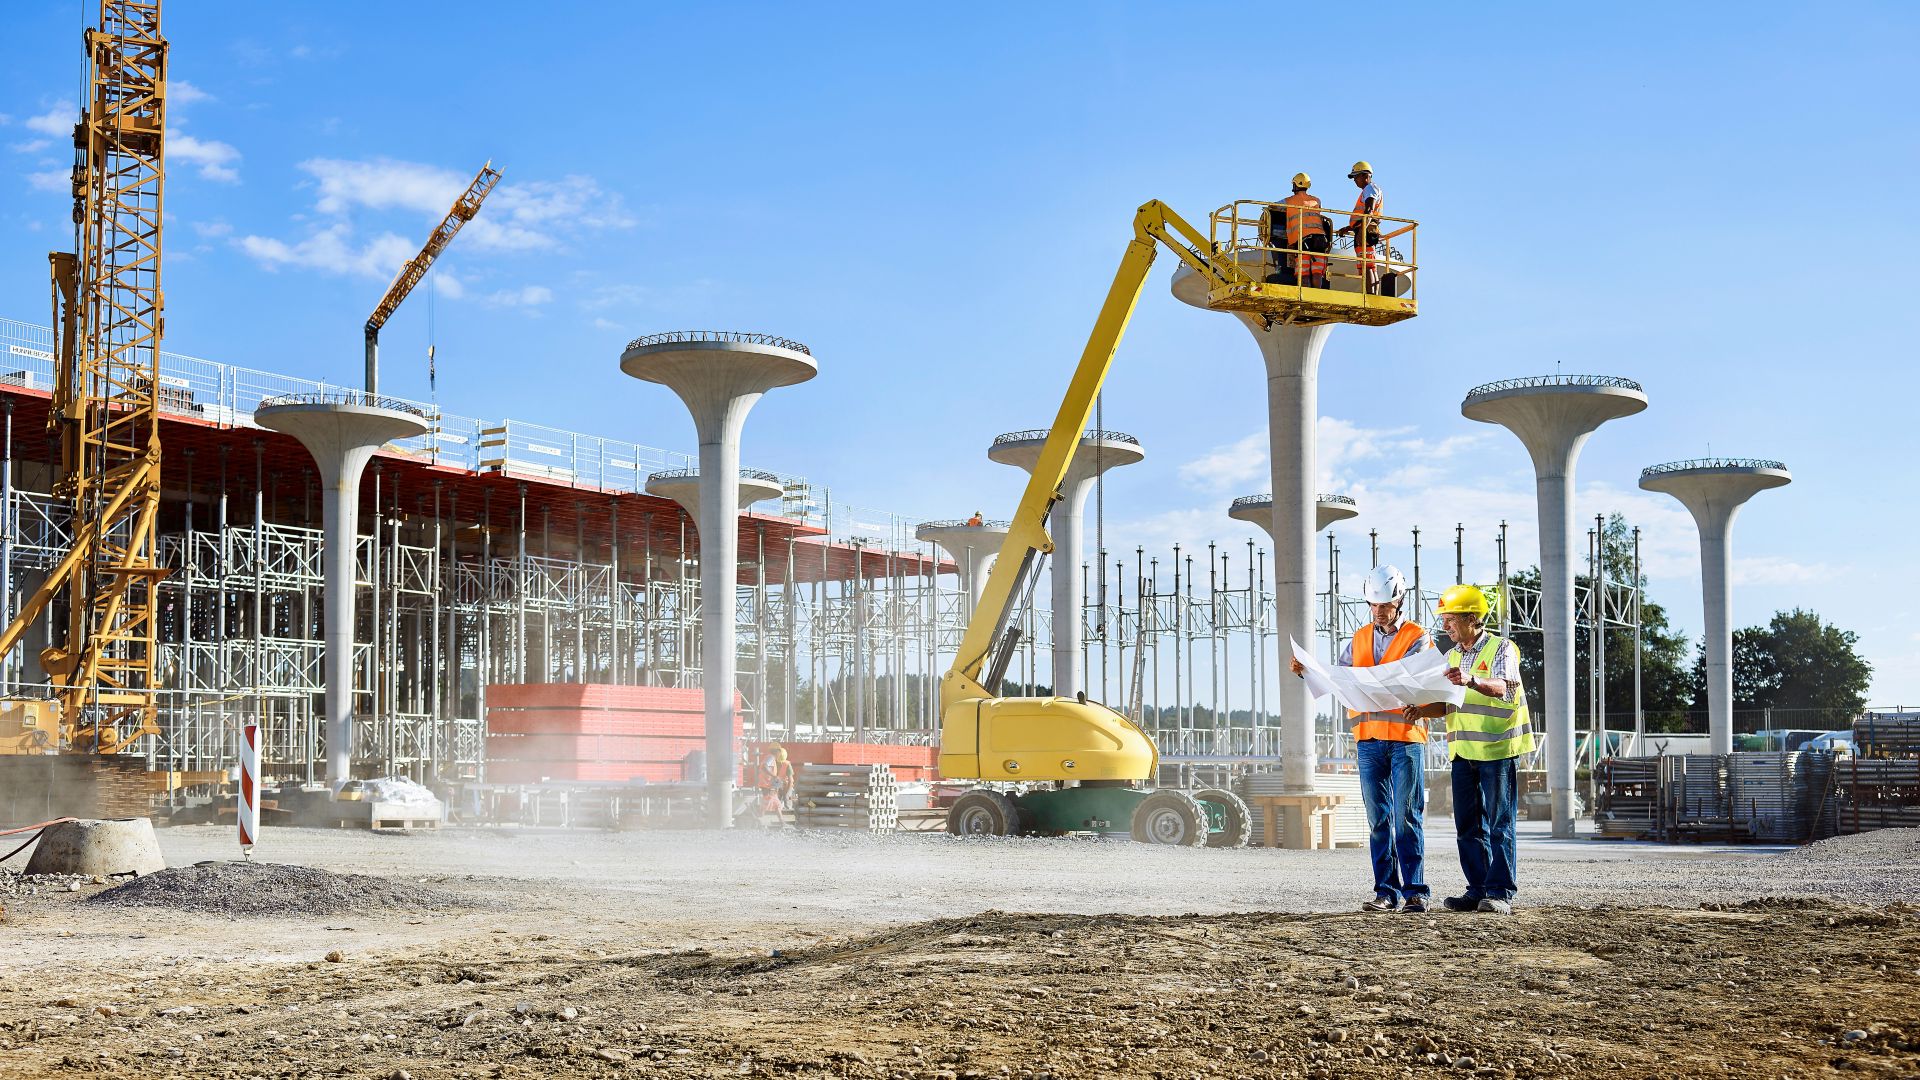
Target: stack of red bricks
[594, 733]
[910, 763]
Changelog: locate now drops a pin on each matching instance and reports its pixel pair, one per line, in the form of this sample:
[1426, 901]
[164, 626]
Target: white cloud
[528, 296]
[1775, 570]
[383, 184]
[445, 284]
[212, 230]
[31, 146]
[1236, 465]
[528, 216]
[332, 250]
[5, 119]
[60, 180]
[182, 92]
[57, 121]
[602, 323]
[214, 159]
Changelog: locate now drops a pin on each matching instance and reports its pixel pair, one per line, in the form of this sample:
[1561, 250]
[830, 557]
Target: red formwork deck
[594, 732]
[910, 763]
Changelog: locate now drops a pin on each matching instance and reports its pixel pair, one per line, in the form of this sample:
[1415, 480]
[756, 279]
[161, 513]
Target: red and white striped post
[249, 809]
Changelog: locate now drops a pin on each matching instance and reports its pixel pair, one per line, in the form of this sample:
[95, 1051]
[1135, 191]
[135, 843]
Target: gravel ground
[261, 888]
[846, 955]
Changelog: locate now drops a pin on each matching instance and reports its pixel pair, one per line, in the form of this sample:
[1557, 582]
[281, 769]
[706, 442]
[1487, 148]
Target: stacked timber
[845, 797]
[1349, 818]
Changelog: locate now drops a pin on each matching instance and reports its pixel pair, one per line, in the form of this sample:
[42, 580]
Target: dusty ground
[699, 955]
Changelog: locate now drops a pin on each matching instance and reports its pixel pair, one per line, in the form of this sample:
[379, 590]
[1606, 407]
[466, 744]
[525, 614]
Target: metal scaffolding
[508, 552]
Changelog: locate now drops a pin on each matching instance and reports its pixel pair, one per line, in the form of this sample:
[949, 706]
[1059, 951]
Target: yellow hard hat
[1358, 168]
[1302, 180]
[1463, 600]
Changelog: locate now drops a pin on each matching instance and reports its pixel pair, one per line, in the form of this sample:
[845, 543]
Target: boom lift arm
[987, 644]
[464, 208]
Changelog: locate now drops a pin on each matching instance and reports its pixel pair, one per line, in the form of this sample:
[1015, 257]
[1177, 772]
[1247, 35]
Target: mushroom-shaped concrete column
[1327, 509]
[1292, 355]
[1098, 451]
[683, 487]
[1553, 415]
[341, 432]
[1714, 489]
[971, 546]
[719, 375]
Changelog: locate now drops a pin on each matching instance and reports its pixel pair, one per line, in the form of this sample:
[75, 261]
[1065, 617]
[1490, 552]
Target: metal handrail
[344, 397]
[1555, 380]
[1387, 256]
[1040, 434]
[964, 523]
[1256, 500]
[741, 336]
[1711, 463]
[745, 474]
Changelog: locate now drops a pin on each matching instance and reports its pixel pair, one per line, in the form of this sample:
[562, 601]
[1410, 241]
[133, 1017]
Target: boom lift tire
[983, 812]
[1170, 817]
[1236, 824]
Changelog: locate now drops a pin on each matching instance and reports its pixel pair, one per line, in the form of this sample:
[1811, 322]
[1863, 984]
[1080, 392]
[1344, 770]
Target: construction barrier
[248, 810]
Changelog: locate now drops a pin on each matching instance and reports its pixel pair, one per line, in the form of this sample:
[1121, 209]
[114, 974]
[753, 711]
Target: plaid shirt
[1506, 663]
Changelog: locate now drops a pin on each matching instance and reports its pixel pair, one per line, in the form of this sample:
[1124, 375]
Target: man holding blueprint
[1380, 686]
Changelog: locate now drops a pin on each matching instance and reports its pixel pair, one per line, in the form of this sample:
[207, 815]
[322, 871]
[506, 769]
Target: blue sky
[1713, 199]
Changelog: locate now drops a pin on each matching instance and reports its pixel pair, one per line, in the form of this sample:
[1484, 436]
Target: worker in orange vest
[1306, 235]
[1363, 224]
[1391, 750]
[773, 778]
[976, 520]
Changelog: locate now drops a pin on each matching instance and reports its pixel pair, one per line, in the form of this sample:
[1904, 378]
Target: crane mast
[464, 208]
[108, 315]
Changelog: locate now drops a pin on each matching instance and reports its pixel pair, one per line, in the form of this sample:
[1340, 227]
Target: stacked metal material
[1881, 784]
[1779, 793]
[1629, 797]
[846, 797]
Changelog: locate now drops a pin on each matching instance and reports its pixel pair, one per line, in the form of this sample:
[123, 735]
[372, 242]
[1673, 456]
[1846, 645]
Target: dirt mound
[261, 888]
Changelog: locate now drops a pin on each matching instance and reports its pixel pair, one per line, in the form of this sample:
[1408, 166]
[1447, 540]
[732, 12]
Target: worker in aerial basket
[1363, 224]
[1486, 735]
[1391, 749]
[1306, 235]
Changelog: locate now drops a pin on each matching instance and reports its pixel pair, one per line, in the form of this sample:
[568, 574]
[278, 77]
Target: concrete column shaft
[719, 525]
[340, 524]
[1554, 491]
[1069, 594]
[1716, 590]
[1292, 355]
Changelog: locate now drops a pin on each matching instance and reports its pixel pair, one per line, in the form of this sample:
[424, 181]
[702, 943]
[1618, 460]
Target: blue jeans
[1393, 784]
[1483, 809]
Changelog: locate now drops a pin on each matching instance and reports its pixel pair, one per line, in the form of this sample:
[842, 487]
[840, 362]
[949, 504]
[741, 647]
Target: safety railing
[1711, 463]
[344, 397]
[745, 474]
[1338, 500]
[1535, 381]
[1040, 434]
[673, 337]
[965, 523]
[1372, 254]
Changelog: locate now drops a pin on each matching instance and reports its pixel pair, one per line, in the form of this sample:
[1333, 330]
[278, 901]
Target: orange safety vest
[1303, 217]
[1391, 726]
[1366, 231]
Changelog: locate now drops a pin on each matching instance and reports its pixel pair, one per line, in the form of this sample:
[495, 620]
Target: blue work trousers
[1484, 799]
[1393, 785]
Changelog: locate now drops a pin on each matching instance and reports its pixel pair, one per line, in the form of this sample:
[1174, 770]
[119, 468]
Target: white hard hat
[1384, 585]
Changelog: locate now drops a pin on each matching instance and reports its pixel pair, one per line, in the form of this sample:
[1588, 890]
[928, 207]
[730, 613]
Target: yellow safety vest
[1488, 728]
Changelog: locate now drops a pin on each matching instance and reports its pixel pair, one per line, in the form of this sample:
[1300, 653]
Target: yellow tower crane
[464, 208]
[108, 317]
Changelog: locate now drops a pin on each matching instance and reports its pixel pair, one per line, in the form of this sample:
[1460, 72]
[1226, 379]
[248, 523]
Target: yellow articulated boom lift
[1090, 764]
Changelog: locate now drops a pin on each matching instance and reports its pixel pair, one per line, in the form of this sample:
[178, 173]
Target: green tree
[1666, 690]
[1796, 661]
